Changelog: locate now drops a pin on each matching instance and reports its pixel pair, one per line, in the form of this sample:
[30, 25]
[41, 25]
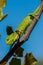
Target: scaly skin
[21, 27]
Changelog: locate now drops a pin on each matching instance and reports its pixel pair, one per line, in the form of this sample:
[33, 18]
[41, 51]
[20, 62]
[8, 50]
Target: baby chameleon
[12, 38]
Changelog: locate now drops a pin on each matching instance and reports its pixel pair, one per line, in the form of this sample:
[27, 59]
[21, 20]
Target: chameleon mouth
[9, 41]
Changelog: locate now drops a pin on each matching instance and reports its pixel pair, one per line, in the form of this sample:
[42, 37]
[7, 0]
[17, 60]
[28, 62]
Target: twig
[27, 33]
[30, 28]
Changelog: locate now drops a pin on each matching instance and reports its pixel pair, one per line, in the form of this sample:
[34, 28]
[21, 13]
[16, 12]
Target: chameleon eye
[7, 39]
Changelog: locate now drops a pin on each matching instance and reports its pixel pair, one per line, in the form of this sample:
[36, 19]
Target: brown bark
[30, 28]
[27, 33]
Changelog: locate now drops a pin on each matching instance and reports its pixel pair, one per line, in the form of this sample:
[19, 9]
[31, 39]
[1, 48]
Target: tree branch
[30, 28]
[27, 34]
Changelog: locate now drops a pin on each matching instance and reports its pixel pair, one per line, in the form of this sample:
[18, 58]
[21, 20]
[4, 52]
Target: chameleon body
[10, 39]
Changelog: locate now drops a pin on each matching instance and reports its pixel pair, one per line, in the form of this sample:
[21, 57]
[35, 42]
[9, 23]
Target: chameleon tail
[35, 12]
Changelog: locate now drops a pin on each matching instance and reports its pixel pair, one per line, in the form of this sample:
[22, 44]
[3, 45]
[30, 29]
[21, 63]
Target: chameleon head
[12, 38]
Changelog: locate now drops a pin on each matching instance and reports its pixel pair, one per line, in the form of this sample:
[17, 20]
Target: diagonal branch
[30, 28]
[27, 34]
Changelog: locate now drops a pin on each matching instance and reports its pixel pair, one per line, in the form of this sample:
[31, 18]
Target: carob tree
[26, 36]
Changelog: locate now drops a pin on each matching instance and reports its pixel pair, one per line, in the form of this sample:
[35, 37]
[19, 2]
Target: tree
[25, 38]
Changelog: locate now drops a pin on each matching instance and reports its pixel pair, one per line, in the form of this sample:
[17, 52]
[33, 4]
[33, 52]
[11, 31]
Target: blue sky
[17, 10]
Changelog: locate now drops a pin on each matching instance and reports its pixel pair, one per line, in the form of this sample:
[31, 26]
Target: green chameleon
[12, 38]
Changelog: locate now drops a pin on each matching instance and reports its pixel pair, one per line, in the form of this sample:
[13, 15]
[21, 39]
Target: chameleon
[20, 30]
